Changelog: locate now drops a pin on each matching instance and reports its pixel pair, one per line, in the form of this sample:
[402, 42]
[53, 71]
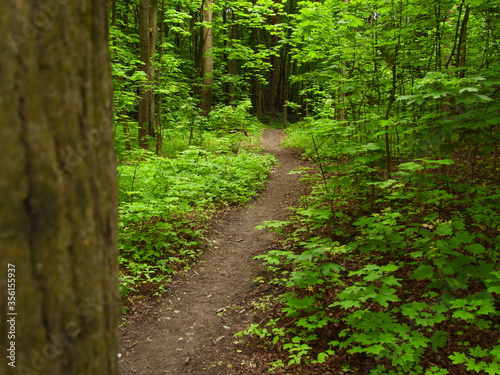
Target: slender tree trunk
[144, 92]
[286, 86]
[58, 191]
[258, 97]
[126, 130]
[462, 44]
[153, 36]
[438, 38]
[158, 130]
[113, 12]
[392, 95]
[148, 13]
[340, 112]
[231, 63]
[273, 72]
[461, 61]
[392, 98]
[207, 60]
[232, 70]
[195, 53]
[457, 36]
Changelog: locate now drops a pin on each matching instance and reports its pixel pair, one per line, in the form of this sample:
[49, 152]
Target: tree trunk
[457, 35]
[462, 44]
[126, 130]
[207, 60]
[58, 190]
[231, 63]
[273, 72]
[148, 31]
[392, 93]
[153, 36]
[158, 130]
[113, 12]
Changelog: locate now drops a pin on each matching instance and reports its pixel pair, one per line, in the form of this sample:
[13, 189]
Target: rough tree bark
[58, 240]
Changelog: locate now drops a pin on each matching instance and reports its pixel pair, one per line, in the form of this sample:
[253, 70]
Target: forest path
[188, 331]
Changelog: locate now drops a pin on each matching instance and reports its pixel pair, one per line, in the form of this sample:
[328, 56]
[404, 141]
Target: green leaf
[469, 89]
[493, 368]
[483, 324]
[418, 340]
[487, 307]
[444, 229]
[371, 147]
[301, 303]
[391, 267]
[322, 357]
[411, 166]
[375, 349]
[386, 295]
[439, 161]
[465, 315]
[496, 352]
[494, 289]
[458, 358]
[391, 280]
[346, 304]
[423, 272]
[438, 339]
[459, 303]
[479, 352]
[483, 98]
[384, 184]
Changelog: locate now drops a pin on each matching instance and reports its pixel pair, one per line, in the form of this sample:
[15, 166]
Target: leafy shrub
[399, 269]
[166, 204]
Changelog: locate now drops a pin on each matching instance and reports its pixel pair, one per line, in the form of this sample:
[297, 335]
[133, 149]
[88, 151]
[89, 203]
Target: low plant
[166, 205]
[400, 270]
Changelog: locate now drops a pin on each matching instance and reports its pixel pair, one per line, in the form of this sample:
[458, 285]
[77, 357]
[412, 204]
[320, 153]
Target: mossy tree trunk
[57, 190]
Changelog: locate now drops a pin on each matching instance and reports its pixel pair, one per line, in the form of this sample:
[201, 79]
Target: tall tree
[272, 76]
[159, 106]
[58, 236]
[207, 60]
[148, 32]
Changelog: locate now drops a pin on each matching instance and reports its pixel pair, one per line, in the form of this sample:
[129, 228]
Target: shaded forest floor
[191, 329]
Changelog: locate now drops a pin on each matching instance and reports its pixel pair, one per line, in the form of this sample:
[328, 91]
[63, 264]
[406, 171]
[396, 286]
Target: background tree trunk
[148, 31]
[158, 127]
[274, 62]
[207, 60]
[58, 228]
[231, 62]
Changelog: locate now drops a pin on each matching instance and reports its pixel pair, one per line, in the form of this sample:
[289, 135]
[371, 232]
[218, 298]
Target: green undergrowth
[385, 274]
[166, 204]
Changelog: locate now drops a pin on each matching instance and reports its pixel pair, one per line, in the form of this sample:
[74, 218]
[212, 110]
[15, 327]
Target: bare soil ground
[190, 330]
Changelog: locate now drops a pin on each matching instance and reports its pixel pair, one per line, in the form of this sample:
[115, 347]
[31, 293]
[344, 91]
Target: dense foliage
[403, 269]
[390, 265]
[166, 203]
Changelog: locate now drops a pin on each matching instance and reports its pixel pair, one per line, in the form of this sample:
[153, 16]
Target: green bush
[166, 204]
[395, 268]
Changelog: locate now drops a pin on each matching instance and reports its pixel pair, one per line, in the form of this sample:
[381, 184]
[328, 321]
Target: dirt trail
[186, 332]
